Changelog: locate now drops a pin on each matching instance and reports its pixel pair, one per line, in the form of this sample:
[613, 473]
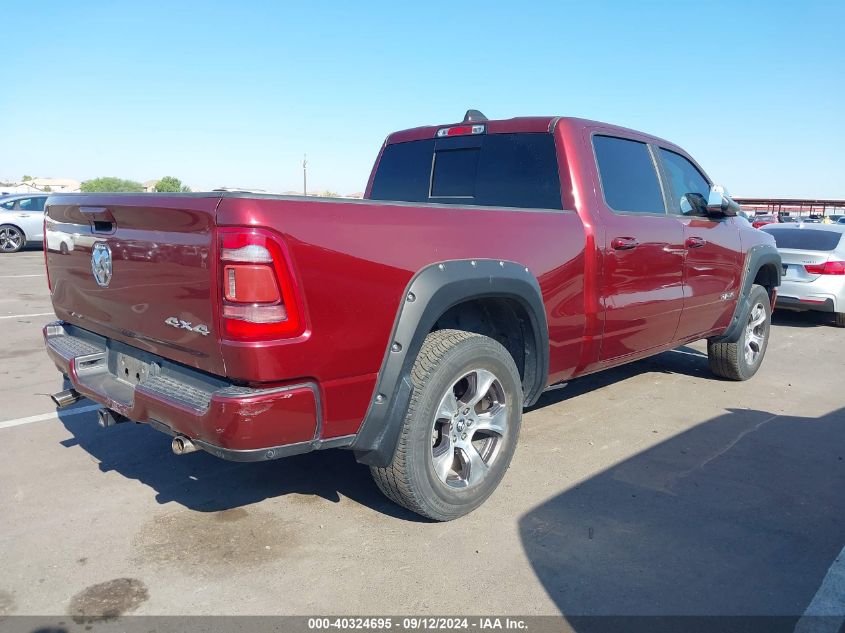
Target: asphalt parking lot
[653, 489]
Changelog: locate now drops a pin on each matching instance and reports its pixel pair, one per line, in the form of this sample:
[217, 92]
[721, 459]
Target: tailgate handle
[100, 219]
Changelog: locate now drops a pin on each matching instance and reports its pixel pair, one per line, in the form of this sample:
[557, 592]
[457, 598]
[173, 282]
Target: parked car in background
[21, 221]
[763, 220]
[813, 260]
[841, 220]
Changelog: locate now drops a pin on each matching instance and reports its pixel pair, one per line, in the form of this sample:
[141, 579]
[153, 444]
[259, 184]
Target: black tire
[449, 359]
[839, 319]
[728, 359]
[12, 239]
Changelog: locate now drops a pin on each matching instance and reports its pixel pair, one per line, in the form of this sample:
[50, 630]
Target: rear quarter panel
[353, 260]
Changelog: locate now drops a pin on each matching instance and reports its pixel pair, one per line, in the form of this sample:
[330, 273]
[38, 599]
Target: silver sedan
[21, 221]
[813, 257]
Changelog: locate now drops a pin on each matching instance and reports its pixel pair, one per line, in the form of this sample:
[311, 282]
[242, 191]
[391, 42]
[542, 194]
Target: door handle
[695, 242]
[100, 218]
[624, 243]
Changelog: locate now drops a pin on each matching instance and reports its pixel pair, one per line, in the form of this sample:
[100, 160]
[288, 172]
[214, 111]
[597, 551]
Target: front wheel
[461, 428]
[740, 358]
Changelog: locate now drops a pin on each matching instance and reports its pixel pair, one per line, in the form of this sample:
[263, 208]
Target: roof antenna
[474, 115]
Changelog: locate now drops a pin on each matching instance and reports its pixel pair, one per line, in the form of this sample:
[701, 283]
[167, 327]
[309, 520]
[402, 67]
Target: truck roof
[526, 124]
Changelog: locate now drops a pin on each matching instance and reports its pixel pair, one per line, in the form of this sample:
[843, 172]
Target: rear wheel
[460, 431]
[839, 319]
[740, 358]
[11, 239]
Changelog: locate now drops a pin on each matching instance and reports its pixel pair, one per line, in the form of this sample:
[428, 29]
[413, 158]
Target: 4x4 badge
[187, 325]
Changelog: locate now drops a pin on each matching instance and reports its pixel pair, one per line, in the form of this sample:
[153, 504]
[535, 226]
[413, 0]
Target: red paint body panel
[711, 272]
[350, 263]
[163, 259]
[353, 261]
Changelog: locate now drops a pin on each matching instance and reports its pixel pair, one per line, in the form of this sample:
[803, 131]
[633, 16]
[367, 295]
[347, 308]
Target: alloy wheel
[755, 334]
[11, 239]
[469, 426]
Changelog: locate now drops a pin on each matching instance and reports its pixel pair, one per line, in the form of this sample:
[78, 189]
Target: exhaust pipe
[182, 445]
[66, 398]
[107, 418]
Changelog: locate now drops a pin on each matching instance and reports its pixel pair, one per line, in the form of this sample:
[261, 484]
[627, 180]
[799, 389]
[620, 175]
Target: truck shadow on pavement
[205, 483]
[741, 515]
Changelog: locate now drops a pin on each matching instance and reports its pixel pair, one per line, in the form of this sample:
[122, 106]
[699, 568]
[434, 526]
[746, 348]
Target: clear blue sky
[234, 93]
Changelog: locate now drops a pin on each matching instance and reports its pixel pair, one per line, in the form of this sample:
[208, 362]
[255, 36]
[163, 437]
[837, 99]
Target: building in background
[40, 185]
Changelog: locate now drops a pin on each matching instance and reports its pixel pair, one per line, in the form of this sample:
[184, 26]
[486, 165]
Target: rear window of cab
[505, 170]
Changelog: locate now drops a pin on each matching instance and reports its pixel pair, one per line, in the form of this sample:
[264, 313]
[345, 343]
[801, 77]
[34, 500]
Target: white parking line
[24, 316]
[19, 276]
[826, 612]
[47, 416]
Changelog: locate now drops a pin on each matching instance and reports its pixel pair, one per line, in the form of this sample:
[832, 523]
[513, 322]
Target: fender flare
[430, 293]
[758, 256]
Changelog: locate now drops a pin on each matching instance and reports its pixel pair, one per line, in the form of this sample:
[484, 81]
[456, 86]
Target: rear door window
[32, 204]
[805, 239]
[628, 175]
[506, 170]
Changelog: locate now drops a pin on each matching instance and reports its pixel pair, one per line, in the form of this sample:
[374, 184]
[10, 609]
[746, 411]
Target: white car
[813, 259]
[21, 221]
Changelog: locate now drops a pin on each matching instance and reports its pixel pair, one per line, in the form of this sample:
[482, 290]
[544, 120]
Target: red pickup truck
[488, 261]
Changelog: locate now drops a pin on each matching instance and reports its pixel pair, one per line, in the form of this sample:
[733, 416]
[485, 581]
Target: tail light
[828, 268]
[44, 246]
[258, 294]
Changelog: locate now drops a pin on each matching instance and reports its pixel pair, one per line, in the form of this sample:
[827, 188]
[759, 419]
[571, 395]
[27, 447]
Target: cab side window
[8, 205]
[684, 178]
[628, 175]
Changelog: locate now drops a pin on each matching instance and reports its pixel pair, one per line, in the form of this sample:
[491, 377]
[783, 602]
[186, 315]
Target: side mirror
[720, 204]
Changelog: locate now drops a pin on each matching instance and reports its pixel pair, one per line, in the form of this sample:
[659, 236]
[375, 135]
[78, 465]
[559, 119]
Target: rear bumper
[230, 421]
[825, 294]
[797, 303]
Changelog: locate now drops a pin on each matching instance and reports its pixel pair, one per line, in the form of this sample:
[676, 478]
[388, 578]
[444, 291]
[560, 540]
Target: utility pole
[305, 174]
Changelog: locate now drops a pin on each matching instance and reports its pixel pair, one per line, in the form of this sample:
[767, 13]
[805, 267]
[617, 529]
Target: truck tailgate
[138, 268]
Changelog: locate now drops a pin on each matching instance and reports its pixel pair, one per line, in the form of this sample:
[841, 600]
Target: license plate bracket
[131, 370]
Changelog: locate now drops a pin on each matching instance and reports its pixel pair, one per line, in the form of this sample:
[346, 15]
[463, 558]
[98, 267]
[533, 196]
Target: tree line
[110, 184]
